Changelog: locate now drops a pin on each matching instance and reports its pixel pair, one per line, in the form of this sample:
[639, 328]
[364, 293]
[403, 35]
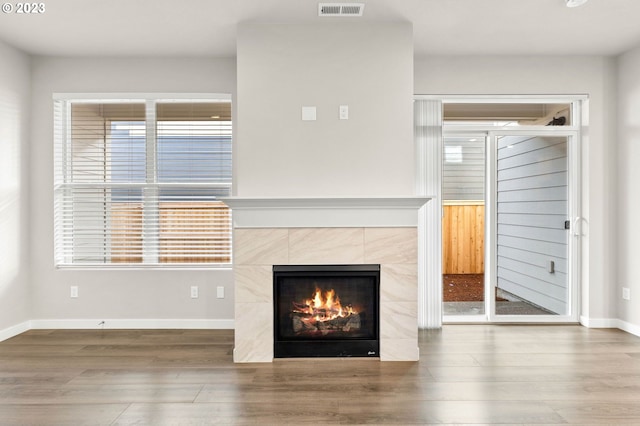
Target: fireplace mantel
[329, 212]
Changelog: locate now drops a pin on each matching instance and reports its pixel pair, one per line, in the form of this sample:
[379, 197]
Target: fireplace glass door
[326, 310]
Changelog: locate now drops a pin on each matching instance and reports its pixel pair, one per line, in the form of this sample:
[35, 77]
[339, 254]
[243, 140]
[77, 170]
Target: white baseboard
[221, 324]
[14, 330]
[599, 322]
[113, 324]
[629, 328]
[610, 323]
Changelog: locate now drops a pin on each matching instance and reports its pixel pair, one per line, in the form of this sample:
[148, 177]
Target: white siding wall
[464, 180]
[532, 209]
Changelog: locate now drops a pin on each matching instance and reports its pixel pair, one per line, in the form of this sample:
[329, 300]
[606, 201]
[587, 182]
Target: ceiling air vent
[340, 9]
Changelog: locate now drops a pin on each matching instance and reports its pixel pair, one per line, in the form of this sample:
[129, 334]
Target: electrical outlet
[194, 291]
[74, 291]
[626, 293]
[344, 112]
[220, 293]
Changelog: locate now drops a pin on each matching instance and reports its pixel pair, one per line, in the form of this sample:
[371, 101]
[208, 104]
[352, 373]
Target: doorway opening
[463, 224]
[509, 198]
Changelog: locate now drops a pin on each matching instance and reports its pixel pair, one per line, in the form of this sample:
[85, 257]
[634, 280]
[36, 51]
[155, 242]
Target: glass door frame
[491, 133]
[472, 133]
[573, 237]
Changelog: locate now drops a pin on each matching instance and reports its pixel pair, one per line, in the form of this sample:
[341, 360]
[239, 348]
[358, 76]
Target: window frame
[61, 144]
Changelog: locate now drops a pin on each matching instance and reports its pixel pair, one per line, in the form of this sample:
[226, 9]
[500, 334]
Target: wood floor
[467, 374]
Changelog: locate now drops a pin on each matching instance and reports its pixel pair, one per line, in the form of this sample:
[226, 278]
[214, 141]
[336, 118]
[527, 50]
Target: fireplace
[325, 231]
[326, 310]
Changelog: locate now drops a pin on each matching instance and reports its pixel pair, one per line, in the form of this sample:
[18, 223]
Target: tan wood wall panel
[194, 228]
[186, 227]
[463, 239]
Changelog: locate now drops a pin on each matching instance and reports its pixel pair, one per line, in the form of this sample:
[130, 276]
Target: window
[138, 181]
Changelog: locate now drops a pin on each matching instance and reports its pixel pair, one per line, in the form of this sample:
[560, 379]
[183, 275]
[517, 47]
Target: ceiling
[208, 27]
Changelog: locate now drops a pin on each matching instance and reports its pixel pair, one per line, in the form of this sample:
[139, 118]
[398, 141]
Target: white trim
[599, 322]
[14, 330]
[463, 202]
[429, 143]
[146, 266]
[229, 324]
[574, 162]
[252, 203]
[324, 212]
[625, 326]
[450, 130]
[465, 319]
[112, 324]
[510, 319]
[124, 96]
[629, 328]
[490, 227]
[498, 99]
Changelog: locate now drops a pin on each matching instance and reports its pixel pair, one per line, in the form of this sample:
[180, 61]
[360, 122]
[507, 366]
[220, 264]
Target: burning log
[306, 323]
[324, 314]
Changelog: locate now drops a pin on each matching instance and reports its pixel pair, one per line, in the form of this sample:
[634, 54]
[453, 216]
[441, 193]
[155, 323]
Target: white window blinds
[137, 182]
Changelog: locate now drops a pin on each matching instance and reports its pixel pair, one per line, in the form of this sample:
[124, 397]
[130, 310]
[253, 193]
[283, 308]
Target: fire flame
[323, 307]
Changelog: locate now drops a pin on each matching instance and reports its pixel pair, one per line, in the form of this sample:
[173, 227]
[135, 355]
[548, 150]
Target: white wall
[14, 186]
[113, 294]
[278, 92]
[628, 180]
[593, 76]
[282, 67]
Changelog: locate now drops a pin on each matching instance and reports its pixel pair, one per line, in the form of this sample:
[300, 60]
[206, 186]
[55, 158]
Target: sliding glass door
[501, 240]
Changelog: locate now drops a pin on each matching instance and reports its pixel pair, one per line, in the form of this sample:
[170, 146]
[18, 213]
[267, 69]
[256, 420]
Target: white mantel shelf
[320, 202]
[330, 212]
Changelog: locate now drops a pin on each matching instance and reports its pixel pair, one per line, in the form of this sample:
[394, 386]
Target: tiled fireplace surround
[271, 232]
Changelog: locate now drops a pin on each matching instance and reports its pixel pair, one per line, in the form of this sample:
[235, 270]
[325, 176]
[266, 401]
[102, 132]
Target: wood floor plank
[533, 374]
[39, 350]
[596, 391]
[228, 414]
[102, 394]
[467, 374]
[61, 362]
[565, 360]
[60, 415]
[612, 413]
[43, 376]
[443, 412]
[222, 375]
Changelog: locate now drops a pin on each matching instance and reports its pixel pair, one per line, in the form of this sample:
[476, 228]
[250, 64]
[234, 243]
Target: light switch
[308, 113]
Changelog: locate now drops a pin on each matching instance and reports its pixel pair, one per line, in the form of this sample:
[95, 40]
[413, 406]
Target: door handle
[576, 221]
